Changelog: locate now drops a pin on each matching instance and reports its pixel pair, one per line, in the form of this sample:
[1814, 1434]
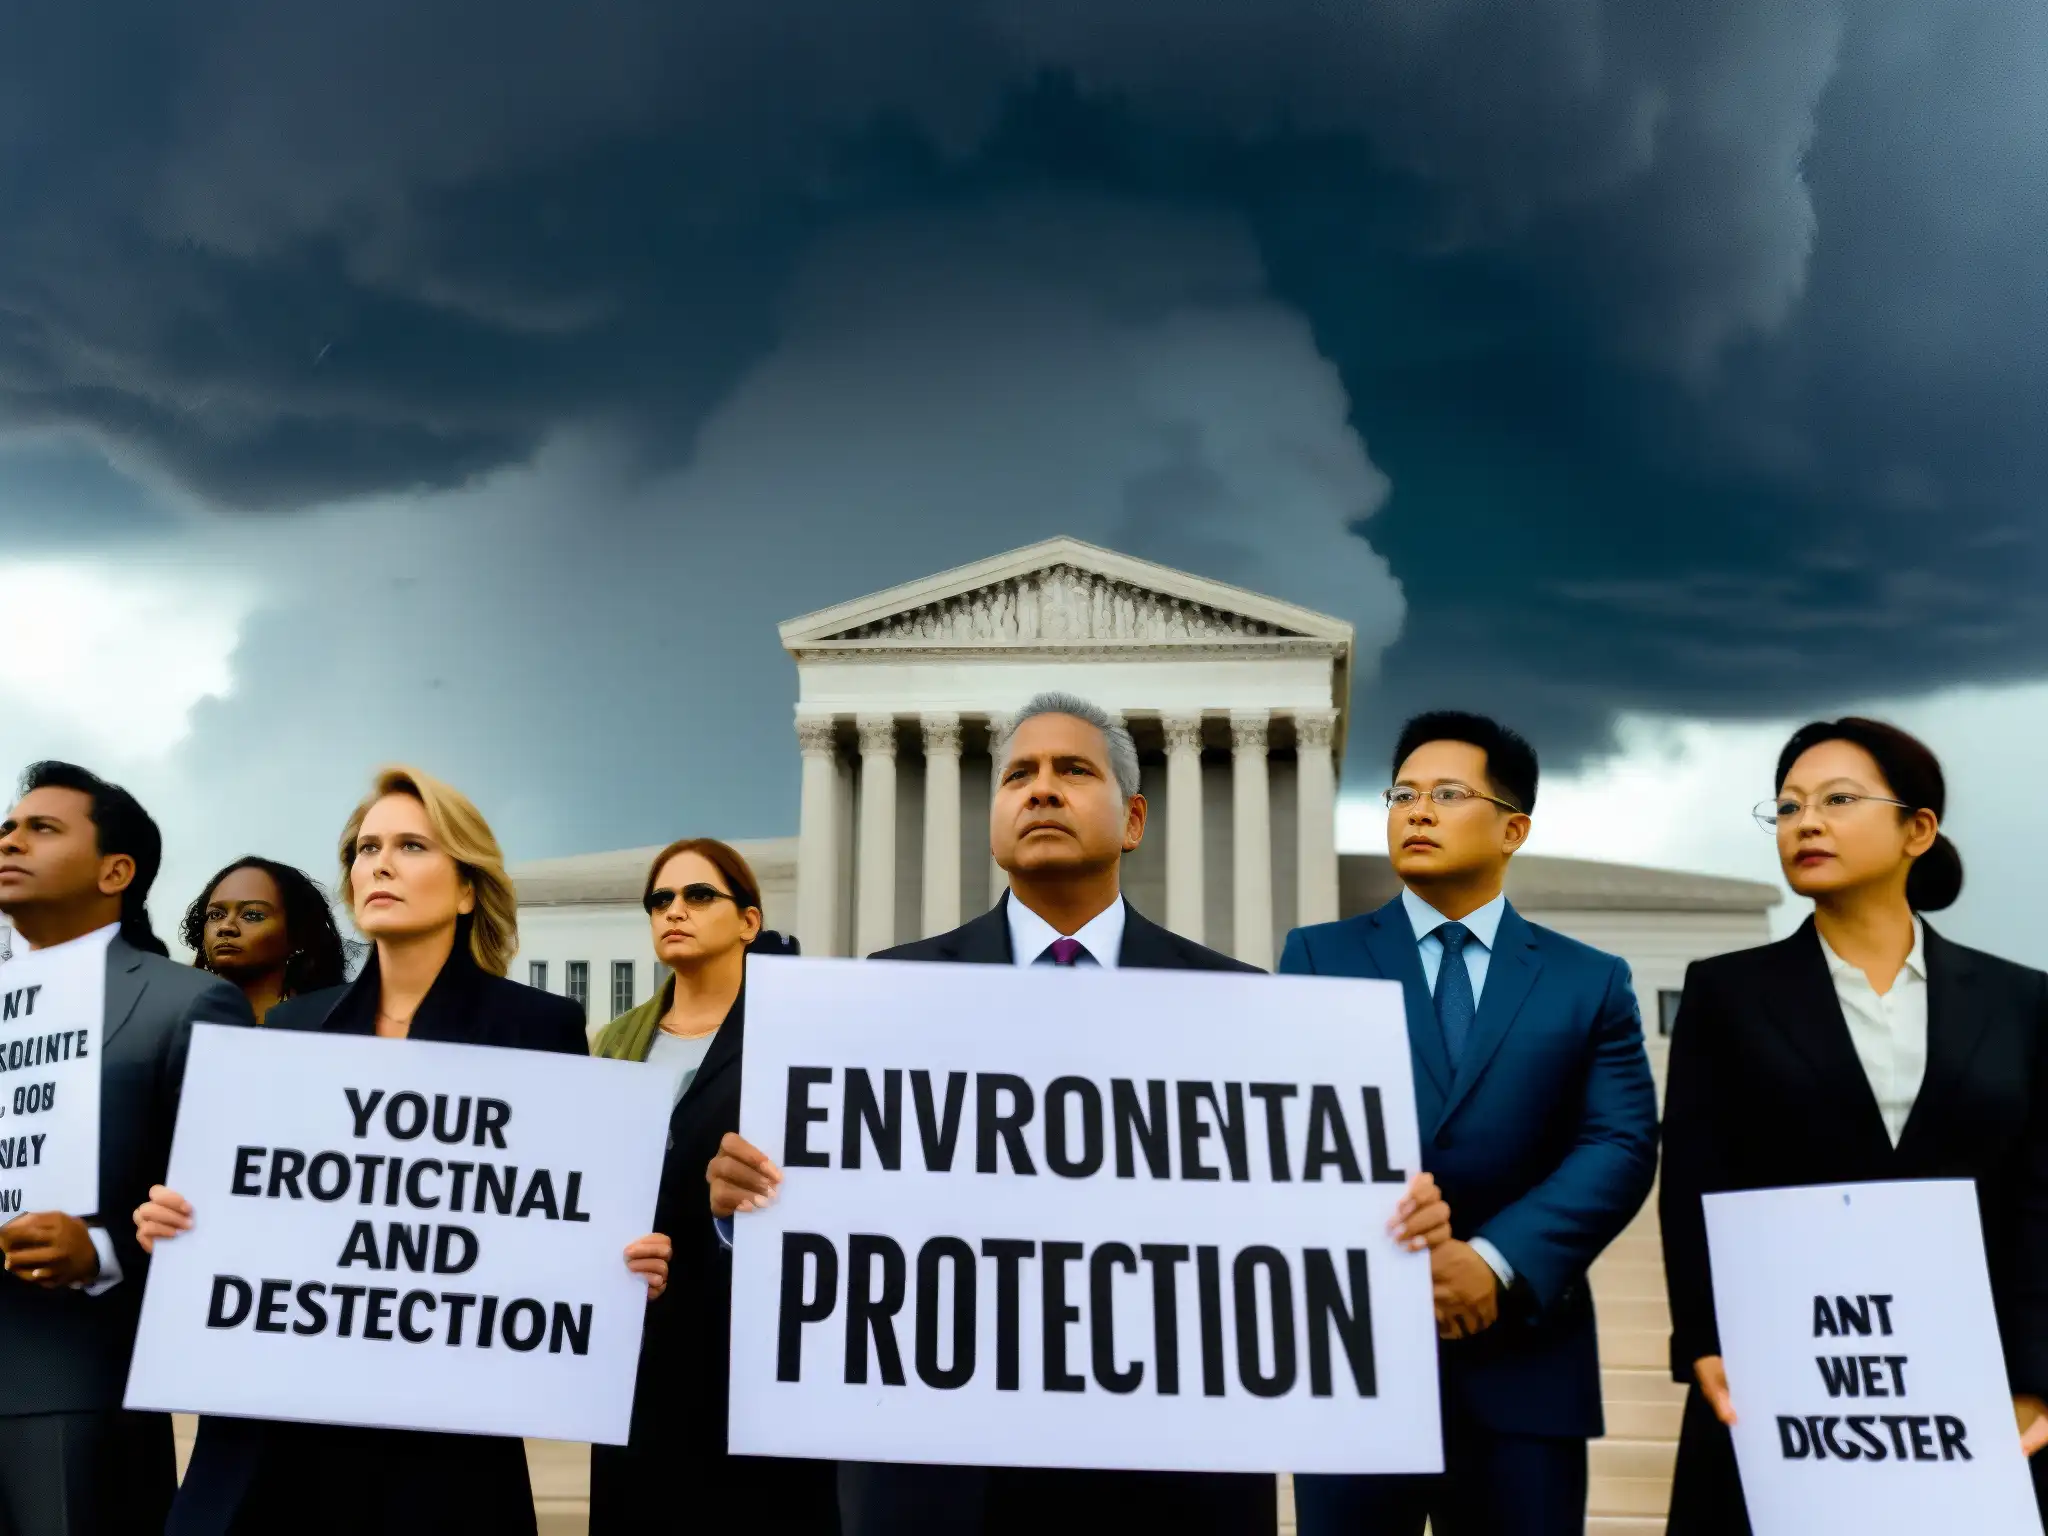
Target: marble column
[1184, 829]
[998, 882]
[1315, 780]
[874, 922]
[1251, 844]
[941, 823]
[817, 880]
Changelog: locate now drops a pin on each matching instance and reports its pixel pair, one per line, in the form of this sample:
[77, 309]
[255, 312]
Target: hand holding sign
[743, 1178]
[1712, 1374]
[422, 1236]
[50, 1249]
[1860, 1336]
[167, 1213]
[1031, 1242]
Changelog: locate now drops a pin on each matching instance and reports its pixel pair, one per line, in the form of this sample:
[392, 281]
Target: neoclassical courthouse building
[1238, 703]
[1239, 706]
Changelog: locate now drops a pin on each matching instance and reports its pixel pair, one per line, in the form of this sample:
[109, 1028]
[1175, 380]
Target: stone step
[1632, 1315]
[1640, 1240]
[1627, 1276]
[1646, 1349]
[1640, 1496]
[1619, 1384]
[1624, 1458]
[1644, 1421]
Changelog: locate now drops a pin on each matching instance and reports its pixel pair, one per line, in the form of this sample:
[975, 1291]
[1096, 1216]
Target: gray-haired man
[1065, 811]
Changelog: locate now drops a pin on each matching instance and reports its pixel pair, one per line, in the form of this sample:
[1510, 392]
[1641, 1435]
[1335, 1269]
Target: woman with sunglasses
[704, 909]
[1864, 1047]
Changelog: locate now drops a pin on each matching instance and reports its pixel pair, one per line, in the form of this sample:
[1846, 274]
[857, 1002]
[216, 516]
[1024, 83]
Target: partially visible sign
[53, 1006]
[404, 1234]
[1863, 1357]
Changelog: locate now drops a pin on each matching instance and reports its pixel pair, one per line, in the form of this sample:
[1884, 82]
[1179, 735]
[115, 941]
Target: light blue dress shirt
[1484, 926]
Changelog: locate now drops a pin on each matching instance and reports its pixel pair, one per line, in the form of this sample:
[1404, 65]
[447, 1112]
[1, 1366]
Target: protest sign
[1863, 1357]
[52, 1011]
[406, 1234]
[1087, 1218]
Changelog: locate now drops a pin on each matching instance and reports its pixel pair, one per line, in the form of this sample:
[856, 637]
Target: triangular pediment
[1057, 593]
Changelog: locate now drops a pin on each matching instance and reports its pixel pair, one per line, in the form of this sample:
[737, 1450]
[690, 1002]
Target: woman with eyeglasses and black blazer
[1864, 1047]
[704, 907]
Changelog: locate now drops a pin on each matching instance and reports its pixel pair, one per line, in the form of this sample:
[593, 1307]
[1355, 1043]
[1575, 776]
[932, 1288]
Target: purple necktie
[1065, 951]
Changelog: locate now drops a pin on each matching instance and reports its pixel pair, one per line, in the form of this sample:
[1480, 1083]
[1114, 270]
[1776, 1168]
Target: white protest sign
[1040, 1217]
[53, 1005]
[406, 1234]
[1863, 1357]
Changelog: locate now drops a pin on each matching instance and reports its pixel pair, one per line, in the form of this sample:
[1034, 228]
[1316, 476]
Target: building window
[1667, 1011]
[576, 984]
[537, 975]
[622, 987]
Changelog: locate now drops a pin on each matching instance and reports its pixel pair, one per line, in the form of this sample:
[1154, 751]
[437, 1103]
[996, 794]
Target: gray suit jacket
[65, 1351]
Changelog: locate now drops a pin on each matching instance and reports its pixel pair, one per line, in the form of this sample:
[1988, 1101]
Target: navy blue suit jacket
[1544, 1141]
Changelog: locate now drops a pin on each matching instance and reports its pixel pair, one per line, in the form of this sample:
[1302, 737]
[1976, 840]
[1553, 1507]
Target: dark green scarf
[630, 1036]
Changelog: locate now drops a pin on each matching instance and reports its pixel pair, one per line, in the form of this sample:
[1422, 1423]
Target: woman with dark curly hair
[269, 929]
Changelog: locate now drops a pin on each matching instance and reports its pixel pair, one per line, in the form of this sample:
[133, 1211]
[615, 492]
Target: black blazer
[910, 1500]
[675, 1467]
[67, 1352]
[317, 1477]
[1765, 1090]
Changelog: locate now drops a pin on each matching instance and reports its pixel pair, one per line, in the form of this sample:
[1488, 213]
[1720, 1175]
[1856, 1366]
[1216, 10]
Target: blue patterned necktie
[1454, 1005]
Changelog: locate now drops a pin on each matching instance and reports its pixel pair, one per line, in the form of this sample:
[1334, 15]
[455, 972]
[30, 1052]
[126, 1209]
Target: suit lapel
[1389, 942]
[125, 986]
[1956, 1022]
[1809, 1016]
[985, 941]
[1146, 945]
[1511, 971]
[725, 1048]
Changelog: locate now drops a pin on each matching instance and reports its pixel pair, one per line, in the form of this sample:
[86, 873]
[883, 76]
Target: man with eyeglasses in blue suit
[1539, 1119]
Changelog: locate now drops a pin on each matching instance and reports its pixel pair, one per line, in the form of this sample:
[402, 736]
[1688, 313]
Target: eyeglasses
[1402, 795]
[697, 897]
[1773, 814]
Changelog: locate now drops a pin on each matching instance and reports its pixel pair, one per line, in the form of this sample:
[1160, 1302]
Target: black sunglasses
[696, 897]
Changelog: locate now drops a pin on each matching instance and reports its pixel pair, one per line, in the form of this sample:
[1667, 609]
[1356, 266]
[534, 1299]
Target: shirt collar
[1483, 924]
[1916, 961]
[99, 938]
[1030, 935]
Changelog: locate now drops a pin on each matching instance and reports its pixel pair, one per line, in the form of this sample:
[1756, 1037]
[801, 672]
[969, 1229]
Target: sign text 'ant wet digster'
[1863, 1358]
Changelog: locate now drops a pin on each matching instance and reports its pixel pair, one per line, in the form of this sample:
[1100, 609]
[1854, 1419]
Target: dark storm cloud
[1700, 344]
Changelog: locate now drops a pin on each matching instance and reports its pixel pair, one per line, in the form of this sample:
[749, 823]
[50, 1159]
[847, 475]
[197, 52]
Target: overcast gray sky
[479, 384]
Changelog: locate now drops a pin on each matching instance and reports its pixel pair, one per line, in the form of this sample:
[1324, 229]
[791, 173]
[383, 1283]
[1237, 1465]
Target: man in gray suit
[77, 857]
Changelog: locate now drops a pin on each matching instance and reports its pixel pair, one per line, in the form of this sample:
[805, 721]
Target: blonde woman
[428, 888]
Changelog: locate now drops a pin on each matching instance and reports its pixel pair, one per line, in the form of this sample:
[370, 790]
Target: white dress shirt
[1484, 926]
[1101, 937]
[1102, 940]
[103, 1245]
[1889, 1029]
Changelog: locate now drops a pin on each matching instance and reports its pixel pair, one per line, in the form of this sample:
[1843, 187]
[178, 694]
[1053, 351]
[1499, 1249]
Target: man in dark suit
[77, 857]
[1066, 809]
[1539, 1119]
